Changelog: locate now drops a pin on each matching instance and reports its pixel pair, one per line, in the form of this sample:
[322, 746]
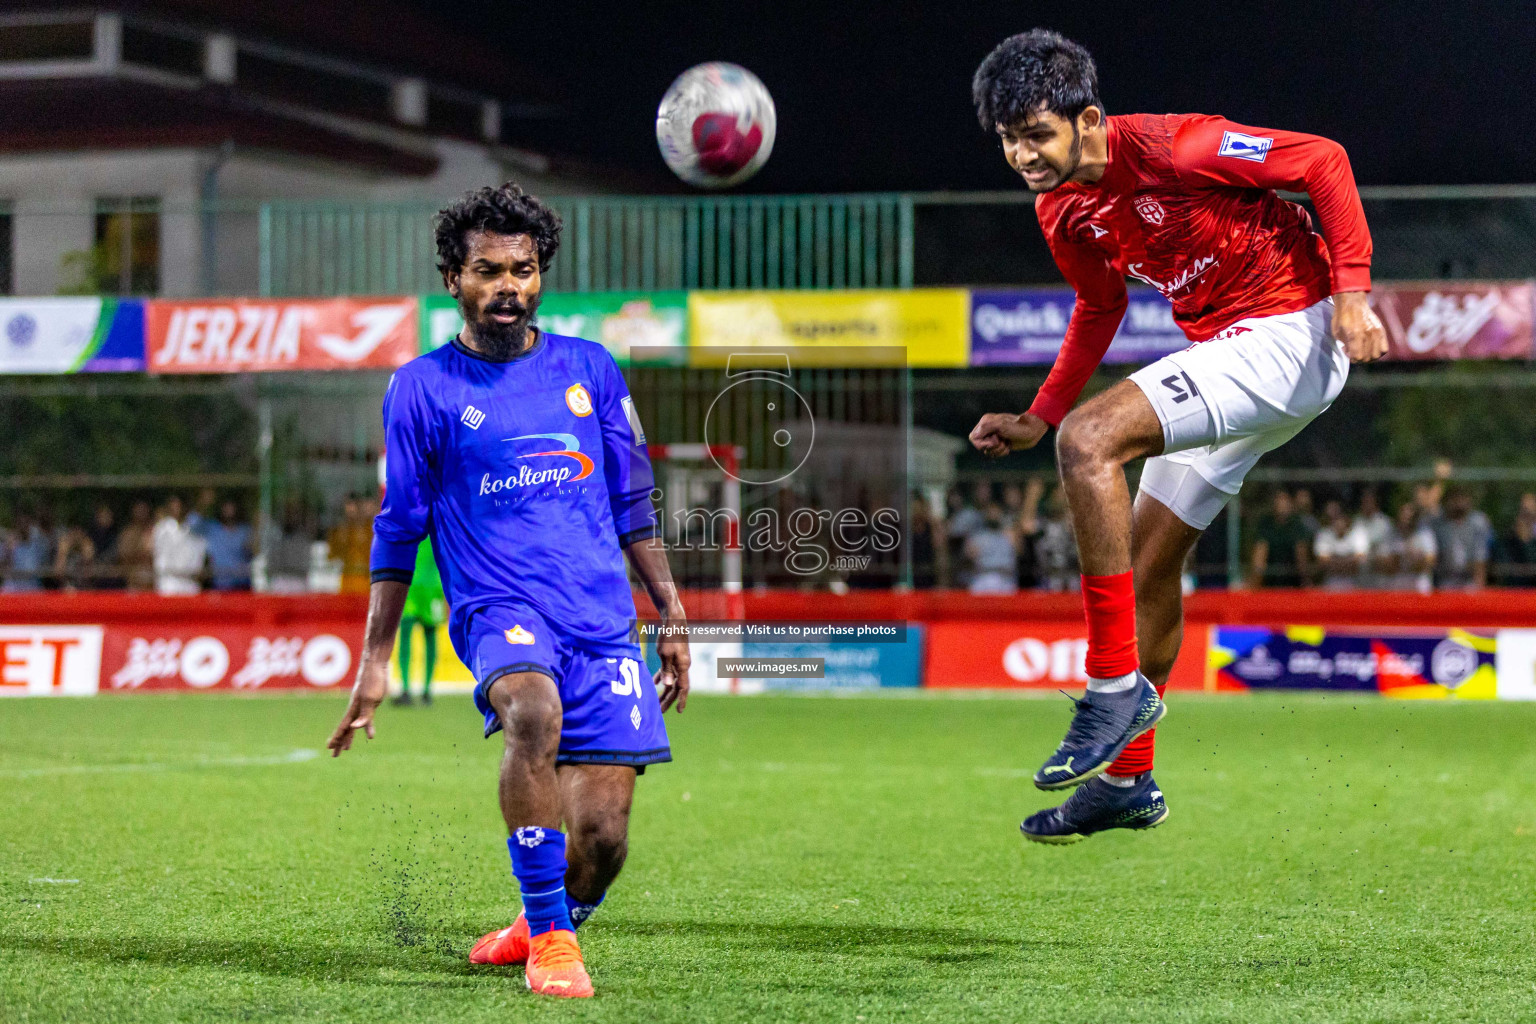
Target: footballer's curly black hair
[1034, 71]
[506, 210]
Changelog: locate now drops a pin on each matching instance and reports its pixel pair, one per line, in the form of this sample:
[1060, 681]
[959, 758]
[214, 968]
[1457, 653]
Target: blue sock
[580, 911]
[538, 862]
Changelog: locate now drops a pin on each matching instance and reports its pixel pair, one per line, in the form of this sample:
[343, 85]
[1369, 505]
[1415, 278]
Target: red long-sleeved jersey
[1187, 204]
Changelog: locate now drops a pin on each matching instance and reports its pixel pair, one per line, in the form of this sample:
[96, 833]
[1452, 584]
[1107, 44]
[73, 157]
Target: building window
[7, 281]
[128, 246]
[47, 41]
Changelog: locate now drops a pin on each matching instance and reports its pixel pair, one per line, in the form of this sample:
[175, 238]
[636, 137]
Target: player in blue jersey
[520, 454]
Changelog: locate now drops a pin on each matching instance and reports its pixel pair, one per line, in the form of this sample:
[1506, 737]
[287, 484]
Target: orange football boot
[555, 967]
[508, 946]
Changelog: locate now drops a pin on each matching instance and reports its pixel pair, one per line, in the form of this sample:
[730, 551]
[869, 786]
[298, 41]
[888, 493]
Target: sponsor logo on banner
[49, 661]
[249, 335]
[1029, 655]
[231, 658]
[1025, 327]
[633, 326]
[920, 326]
[1457, 320]
[69, 335]
[1399, 663]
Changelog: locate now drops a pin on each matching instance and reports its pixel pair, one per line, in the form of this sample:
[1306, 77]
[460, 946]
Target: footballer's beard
[1059, 176]
[503, 341]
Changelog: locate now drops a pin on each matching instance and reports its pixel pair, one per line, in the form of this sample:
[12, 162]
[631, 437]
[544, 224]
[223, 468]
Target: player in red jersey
[1186, 203]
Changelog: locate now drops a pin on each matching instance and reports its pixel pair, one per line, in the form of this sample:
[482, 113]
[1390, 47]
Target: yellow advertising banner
[929, 325]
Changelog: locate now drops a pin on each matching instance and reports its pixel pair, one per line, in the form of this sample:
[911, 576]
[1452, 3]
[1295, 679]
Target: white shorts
[1225, 402]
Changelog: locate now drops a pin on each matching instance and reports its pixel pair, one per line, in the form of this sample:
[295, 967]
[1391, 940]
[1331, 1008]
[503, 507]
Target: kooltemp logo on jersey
[527, 476]
[1244, 147]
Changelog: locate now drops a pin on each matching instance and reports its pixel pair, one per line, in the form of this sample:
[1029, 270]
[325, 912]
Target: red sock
[1137, 755]
[1110, 602]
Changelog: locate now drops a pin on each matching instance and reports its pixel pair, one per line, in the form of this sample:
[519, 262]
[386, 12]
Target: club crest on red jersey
[1150, 209]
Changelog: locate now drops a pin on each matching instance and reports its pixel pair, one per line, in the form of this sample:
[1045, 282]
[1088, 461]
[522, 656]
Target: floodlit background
[216, 245]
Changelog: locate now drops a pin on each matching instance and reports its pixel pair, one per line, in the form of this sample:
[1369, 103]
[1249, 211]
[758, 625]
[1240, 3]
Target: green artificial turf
[805, 858]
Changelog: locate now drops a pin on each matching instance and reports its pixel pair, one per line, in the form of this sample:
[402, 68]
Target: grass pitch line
[292, 757]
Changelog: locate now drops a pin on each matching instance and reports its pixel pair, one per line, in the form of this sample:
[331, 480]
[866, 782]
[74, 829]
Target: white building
[138, 142]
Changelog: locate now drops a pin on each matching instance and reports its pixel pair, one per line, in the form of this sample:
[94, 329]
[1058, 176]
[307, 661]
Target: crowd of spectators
[1003, 537]
[995, 539]
[1434, 540]
[172, 549]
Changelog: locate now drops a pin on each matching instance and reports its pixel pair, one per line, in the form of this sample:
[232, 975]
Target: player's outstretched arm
[386, 601]
[648, 557]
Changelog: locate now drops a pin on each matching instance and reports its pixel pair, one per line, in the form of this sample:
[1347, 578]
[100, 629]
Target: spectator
[1027, 529]
[202, 515]
[288, 557]
[993, 553]
[350, 541]
[136, 548]
[1405, 559]
[1304, 511]
[1341, 547]
[1463, 536]
[30, 555]
[229, 549]
[104, 572]
[1282, 547]
[1521, 543]
[926, 534]
[1056, 548]
[965, 518]
[73, 558]
[1376, 523]
[178, 552]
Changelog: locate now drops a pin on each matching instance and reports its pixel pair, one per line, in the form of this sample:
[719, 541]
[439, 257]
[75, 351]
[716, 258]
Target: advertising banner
[226, 656]
[1456, 319]
[1030, 655]
[49, 661]
[621, 322]
[929, 324]
[245, 335]
[1515, 663]
[71, 335]
[1025, 327]
[1398, 663]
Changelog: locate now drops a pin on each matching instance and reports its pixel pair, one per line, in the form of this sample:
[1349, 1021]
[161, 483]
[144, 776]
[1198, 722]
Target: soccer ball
[715, 125]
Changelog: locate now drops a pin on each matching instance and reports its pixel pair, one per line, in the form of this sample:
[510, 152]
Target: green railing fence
[609, 244]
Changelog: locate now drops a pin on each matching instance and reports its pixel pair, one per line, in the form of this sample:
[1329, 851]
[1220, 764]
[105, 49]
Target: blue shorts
[609, 710]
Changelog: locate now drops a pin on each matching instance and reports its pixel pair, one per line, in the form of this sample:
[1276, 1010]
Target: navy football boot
[1096, 807]
[1102, 726]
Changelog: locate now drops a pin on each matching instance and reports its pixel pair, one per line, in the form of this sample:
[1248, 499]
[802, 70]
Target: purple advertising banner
[1024, 327]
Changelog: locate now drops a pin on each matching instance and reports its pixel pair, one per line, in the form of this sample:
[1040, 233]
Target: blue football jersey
[530, 476]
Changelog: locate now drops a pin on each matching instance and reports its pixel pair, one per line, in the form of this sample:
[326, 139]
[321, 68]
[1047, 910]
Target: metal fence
[870, 240]
[609, 244]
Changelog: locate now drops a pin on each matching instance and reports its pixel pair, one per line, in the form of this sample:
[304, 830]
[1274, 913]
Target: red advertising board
[1031, 655]
[239, 335]
[229, 656]
[1456, 320]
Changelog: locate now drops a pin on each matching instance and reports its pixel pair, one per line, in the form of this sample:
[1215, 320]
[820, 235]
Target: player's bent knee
[528, 706]
[1080, 443]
